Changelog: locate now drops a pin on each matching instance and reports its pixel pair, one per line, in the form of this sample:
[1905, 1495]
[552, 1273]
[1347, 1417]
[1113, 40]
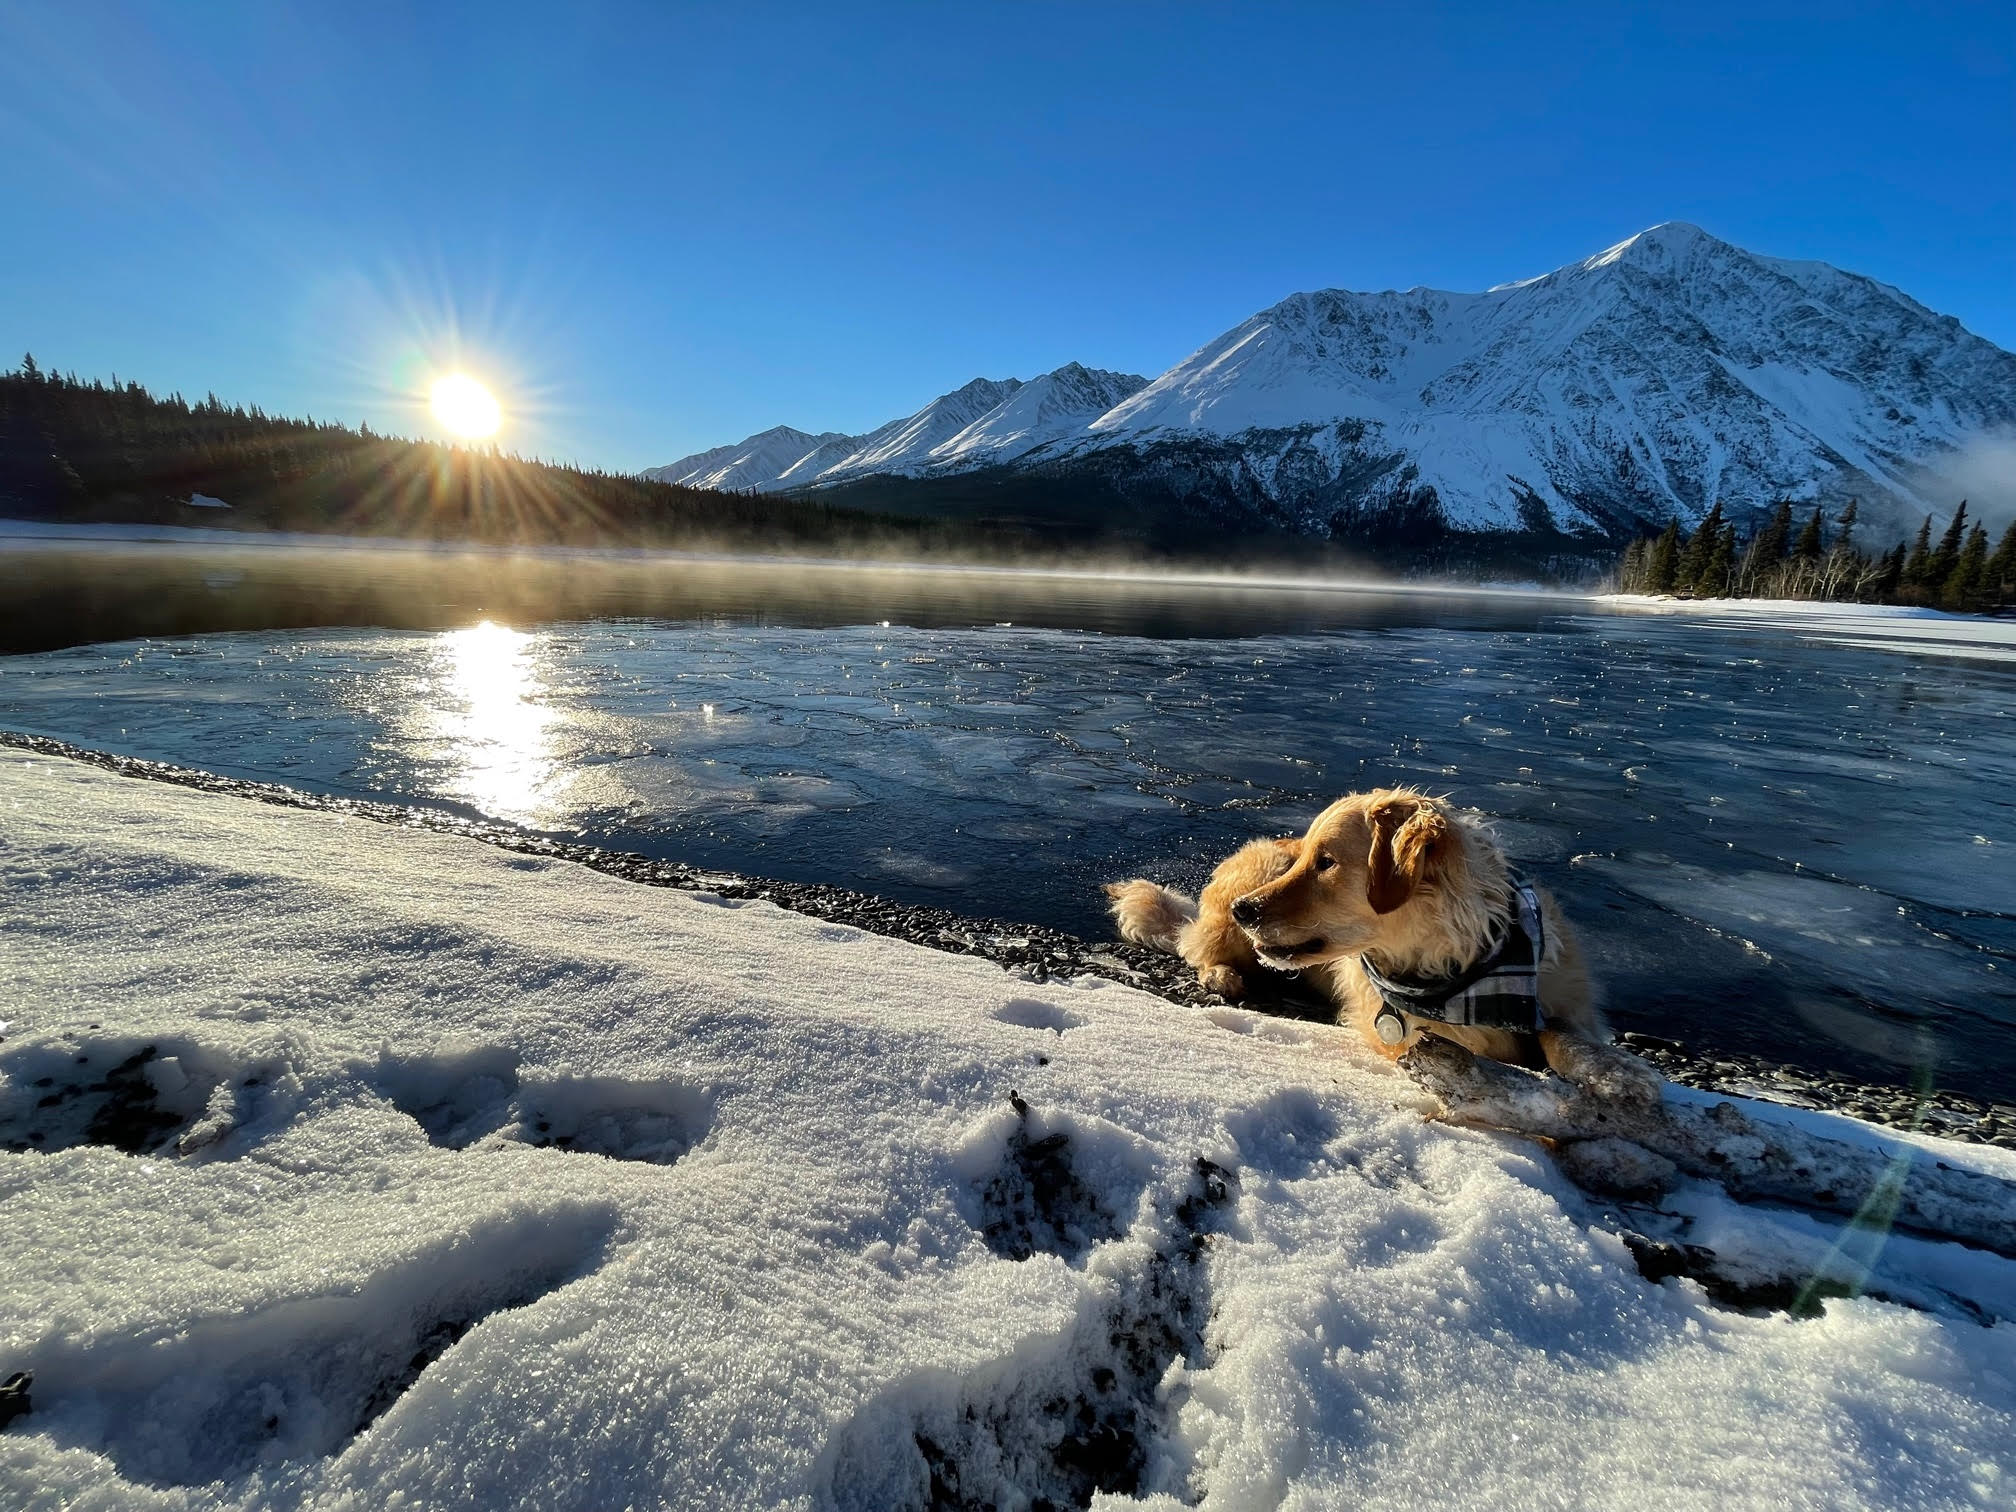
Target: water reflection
[494, 724]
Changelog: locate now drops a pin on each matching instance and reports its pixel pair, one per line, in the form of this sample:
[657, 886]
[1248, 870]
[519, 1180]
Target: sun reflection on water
[494, 723]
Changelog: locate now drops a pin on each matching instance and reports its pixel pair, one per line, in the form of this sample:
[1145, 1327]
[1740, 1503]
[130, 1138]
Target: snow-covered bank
[1876, 627]
[574, 1194]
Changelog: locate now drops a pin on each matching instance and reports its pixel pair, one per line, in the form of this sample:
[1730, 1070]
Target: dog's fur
[1401, 877]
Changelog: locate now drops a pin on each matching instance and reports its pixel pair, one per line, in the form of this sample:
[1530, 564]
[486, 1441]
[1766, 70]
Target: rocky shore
[1045, 953]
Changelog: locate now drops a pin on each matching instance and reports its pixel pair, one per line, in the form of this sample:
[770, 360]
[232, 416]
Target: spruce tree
[1700, 546]
[1999, 578]
[1948, 554]
[1715, 578]
[1662, 562]
[1845, 526]
[1962, 590]
[1918, 565]
[1767, 552]
[1772, 540]
[1808, 547]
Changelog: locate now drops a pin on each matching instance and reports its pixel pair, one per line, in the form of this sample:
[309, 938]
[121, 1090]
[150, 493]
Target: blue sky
[656, 228]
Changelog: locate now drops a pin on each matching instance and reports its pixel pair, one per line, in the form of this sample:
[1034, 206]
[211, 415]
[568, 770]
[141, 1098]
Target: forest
[1960, 571]
[78, 450]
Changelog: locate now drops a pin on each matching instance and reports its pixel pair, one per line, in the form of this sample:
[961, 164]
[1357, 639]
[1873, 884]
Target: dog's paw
[1224, 981]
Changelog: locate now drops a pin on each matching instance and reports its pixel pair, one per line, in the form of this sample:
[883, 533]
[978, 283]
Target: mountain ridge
[1637, 385]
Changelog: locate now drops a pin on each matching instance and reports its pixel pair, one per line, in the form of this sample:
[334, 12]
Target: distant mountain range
[1636, 386]
[988, 422]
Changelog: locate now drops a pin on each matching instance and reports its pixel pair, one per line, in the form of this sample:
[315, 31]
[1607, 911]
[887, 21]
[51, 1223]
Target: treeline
[92, 451]
[1960, 572]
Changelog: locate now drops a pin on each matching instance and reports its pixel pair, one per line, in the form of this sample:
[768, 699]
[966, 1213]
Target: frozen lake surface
[1772, 842]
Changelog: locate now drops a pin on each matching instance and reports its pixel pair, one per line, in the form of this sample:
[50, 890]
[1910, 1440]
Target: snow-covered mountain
[748, 464]
[1056, 407]
[988, 421]
[1648, 380]
[1640, 384]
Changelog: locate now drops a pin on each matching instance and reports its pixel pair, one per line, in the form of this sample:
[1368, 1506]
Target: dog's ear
[1410, 840]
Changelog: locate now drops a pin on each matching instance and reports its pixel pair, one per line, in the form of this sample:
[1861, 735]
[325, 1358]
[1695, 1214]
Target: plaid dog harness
[1499, 991]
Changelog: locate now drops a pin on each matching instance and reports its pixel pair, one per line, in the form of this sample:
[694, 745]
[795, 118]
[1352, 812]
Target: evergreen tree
[1717, 577]
[1918, 565]
[1759, 572]
[1999, 578]
[1808, 547]
[1700, 547]
[1962, 589]
[1769, 548]
[1662, 561]
[28, 369]
[1948, 554]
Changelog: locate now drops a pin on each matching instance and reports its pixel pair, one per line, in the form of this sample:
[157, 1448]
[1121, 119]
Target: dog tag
[1390, 1027]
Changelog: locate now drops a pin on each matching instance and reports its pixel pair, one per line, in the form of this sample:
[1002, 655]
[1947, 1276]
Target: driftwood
[1631, 1146]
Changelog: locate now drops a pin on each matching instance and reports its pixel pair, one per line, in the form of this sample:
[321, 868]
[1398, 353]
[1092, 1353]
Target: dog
[1404, 912]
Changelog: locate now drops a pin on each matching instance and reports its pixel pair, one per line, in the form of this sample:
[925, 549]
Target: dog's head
[1364, 860]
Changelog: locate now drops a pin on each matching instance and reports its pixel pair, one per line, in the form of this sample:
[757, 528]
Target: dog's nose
[1246, 911]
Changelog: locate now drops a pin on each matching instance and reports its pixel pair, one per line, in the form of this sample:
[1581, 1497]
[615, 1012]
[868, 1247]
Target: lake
[1790, 844]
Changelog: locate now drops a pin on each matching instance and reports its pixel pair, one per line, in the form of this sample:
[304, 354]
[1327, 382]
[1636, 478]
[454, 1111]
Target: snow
[689, 1204]
[1872, 627]
[206, 501]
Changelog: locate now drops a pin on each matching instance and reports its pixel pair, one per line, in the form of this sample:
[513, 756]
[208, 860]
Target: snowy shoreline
[1873, 627]
[358, 1165]
[1047, 953]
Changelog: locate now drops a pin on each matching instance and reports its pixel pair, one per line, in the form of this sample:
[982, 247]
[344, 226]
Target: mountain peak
[1667, 242]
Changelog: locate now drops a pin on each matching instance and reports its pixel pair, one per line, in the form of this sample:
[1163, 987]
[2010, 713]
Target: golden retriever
[1400, 885]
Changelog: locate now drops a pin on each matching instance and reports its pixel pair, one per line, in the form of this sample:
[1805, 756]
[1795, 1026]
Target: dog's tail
[1149, 913]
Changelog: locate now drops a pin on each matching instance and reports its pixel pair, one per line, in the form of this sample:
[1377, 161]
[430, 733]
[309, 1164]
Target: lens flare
[465, 407]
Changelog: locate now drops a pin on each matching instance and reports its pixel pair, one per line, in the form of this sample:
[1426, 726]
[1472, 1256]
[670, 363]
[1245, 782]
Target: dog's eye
[1324, 863]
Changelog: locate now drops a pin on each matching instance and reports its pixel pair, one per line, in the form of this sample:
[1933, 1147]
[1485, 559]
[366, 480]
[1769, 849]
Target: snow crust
[577, 1194]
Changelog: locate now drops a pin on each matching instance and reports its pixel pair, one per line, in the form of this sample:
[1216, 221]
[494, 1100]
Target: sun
[465, 406]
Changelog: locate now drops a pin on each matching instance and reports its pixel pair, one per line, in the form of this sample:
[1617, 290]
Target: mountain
[748, 464]
[1633, 387]
[988, 421]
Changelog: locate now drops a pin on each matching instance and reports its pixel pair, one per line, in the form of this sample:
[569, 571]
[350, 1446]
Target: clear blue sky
[655, 228]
